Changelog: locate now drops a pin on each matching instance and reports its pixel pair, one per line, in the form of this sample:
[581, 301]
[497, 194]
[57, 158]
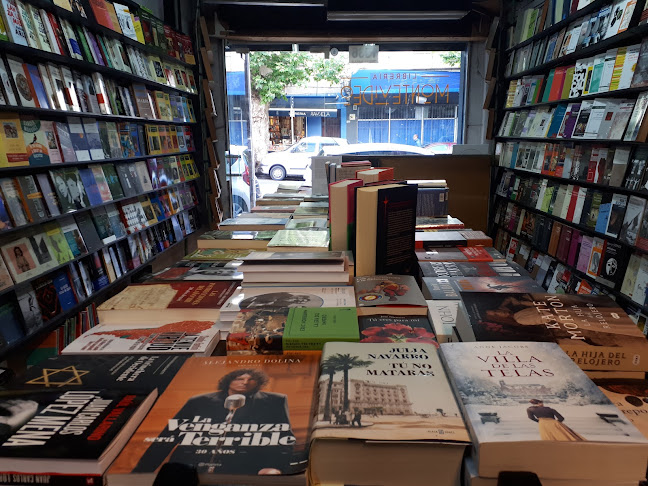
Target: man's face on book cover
[243, 384]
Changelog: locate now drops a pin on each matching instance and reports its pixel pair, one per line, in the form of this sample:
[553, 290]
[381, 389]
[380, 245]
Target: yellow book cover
[64, 4]
[12, 144]
[163, 106]
[618, 68]
[139, 33]
[153, 139]
[569, 77]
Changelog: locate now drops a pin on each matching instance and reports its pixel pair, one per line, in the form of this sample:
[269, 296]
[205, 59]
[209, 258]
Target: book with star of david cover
[135, 374]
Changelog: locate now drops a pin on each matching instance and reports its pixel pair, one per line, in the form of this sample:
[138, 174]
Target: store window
[286, 106]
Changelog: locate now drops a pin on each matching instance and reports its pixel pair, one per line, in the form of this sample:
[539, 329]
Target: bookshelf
[548, 69]
[149, 83]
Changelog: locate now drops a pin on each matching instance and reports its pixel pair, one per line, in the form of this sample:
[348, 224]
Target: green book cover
[597, 70]
[105, 51]
[84, 44]
[307, 329]
[548, 195]
[4, 36]
[594, 209]
[545, 95]
[113, 181]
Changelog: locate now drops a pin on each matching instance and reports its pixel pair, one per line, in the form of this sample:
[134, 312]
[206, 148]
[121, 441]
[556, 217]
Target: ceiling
[369, 20]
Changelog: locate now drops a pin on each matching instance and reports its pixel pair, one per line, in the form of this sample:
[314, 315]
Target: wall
[468, 178]
[476, 118]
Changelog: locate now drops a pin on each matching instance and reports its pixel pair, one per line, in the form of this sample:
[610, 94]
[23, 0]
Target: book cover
[529, 398]
[396, 329]
[14, 153]
[276, 331]
[632, 220]
[194, 337]
[387, 294]
[592, 330]
[451, 288]
[403, 397]
[277, 393]
[82, 435]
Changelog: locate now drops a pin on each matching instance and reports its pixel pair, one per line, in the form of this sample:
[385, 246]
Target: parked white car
[295, 160]
[375, 149]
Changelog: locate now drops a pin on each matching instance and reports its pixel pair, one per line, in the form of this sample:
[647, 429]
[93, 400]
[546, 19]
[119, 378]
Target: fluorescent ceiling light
[396, 15]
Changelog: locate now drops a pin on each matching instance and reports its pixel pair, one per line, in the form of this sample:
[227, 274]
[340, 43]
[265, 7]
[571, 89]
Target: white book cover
[620, 120]
[580, 201]
[47, 83]
[608, 69]
[102, 94]
[534, 395]
[39, 26]
[28, 25]
[19, 77]
[443, 316]
[637, 117]
[597, 114]
[578, 81]
[15, 28]
[68, 81]
[5, 78]
[58, 85]
[641, 283]
[71, 39]
[51, 36]
[195, 337]
[620, 18]
[286, 297]
[565, 206]
[125, 20]
[611, 107]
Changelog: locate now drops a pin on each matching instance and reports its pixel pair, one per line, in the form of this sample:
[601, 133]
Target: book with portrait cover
[236, 419]
[377, 401]
[198, 338]
[592, 329]
[275, 331]
[530, 408]
[163, 303]
[66, 436]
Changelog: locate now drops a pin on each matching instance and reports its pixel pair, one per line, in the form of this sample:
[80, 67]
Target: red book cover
[476, 254]
[557, 84]
[168, 35]
[572, 204]
[565, 243]
[101, 13]
[31, 87]
[56, 28]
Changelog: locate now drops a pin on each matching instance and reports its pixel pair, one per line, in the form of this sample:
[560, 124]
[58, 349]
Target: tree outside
[271, 73]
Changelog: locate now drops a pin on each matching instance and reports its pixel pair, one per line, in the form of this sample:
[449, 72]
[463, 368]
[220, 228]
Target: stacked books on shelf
[166, 60]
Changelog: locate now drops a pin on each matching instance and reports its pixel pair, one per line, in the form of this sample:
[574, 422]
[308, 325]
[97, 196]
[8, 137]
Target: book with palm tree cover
[379, 401]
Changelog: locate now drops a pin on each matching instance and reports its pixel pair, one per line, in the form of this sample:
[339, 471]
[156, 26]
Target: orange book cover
[229, 417]
[555, 239]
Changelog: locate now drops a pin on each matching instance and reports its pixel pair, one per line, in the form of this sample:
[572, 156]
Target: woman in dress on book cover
[550, 422]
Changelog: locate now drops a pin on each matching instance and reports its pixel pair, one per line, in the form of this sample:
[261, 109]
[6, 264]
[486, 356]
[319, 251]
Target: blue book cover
[39, 88]
[516, 147]
[64, 290]
[603, 217]
[556, 120]
[91, 187]
[11, 328]
[97, 273]
[137, 143]
[157, 207]
[5, 221]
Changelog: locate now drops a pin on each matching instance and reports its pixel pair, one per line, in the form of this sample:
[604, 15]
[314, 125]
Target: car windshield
[304, 147]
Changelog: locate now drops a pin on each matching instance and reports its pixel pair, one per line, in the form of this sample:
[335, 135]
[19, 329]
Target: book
[250, 298]
[389, 211]
[14, 153]
[396, 329]
[408, 405]
[267, 393]
[451, 288]
[554, 410]
[197, 337]
[592, 330]
[299, 240]
[388, 294]
[476, 269]
[163, 303]
[102, 422]
[277, 331]
[235, 239]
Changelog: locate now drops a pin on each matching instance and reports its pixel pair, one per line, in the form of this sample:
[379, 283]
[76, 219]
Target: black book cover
[546, 235]
[97, 272]
[47, 298]
[135, 374]
[32, 198]
[615, 262]
[113, 181]
[587, 206]
[88, 231]
[128, 184]
[395, 228]
[80, 425]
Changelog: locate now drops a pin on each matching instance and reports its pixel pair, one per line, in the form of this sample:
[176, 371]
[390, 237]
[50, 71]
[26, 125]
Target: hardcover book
[272, 396]
[383, 400]
[162, 303]
[451, 288]
[276, 331]
[592, 330]
[198, 338]
[396, 329]
[389, 294]
[530, 408]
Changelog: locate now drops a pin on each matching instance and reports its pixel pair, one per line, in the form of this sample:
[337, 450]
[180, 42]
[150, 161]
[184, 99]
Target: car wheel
[238, 206]
[277, 173]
